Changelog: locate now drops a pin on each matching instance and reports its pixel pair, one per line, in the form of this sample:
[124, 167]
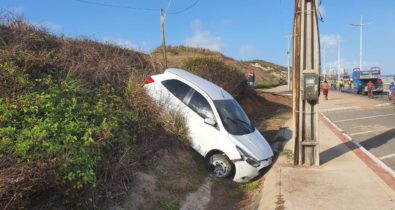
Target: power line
[185, 9]
[116, 6]
[138, 8]
[167, 10]
[321, 18]
[168, 6]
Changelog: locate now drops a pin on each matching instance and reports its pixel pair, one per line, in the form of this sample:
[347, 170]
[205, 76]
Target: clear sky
[242, 29]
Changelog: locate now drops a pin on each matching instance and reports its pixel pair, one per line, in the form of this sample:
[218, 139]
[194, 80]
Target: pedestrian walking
[370, 88]
[392, 92]
[325, 89]
[341, 85]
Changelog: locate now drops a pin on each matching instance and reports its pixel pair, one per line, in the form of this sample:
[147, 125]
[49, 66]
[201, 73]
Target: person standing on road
[251, 79]
[370, 88]
[325, 89]
[341, 85]
[392, 91]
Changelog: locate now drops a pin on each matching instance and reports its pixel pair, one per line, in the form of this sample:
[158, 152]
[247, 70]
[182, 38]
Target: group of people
[369, 85]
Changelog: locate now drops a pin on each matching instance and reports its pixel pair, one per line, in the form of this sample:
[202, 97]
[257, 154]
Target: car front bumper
[244, 172]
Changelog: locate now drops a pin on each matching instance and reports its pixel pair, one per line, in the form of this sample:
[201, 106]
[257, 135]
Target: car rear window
[177, 88]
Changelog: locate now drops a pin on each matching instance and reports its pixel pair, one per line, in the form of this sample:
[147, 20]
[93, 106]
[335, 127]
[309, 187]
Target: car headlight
[248, 158]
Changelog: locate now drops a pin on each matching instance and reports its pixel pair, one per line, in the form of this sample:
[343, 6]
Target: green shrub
[264, 84]
[62, 123]
[214, 70]
[167, 205]
[11, 80]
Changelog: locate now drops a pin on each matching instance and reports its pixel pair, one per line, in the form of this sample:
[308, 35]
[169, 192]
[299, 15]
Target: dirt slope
[152, 170]
[267, 74]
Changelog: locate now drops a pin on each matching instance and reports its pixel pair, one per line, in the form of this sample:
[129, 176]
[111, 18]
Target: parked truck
[362, 77]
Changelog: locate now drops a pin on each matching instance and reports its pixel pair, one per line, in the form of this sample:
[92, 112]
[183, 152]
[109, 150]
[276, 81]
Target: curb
[378, 167]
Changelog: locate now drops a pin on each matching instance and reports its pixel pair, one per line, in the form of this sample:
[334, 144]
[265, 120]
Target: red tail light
[149, 80]
[380, 81]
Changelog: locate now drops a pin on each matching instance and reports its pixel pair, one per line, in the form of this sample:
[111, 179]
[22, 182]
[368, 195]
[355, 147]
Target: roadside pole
[289, 62]
[162, 25]
[306, 65]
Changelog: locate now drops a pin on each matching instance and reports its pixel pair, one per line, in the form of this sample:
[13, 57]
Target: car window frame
[176, 80]
[188, 96]
[208, 103]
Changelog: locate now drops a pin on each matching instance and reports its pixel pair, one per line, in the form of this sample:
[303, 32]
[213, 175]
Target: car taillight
[380, 81]
[148, 80]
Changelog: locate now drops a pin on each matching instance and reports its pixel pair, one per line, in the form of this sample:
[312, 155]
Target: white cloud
[124, 43]
[196, 25]
[330, 41]
[227, 21]
[248, 50]
[49, 25]
[203, 39]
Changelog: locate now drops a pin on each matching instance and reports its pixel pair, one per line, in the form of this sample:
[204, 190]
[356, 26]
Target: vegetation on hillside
[71, 112]
[266, 74]
[76, 126]
[214, 70]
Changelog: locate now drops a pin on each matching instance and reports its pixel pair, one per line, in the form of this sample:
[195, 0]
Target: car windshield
[233, 117]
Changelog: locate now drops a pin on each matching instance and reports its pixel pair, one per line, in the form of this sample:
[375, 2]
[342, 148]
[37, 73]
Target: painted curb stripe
[375, 164]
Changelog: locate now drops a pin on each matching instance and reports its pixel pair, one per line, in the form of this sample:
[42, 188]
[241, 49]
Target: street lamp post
[360, 25]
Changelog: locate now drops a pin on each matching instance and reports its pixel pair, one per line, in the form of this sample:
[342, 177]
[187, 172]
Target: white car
[219, 128]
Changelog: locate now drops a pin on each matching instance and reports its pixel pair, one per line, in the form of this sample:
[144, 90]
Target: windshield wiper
[238, 120]
[246, 123]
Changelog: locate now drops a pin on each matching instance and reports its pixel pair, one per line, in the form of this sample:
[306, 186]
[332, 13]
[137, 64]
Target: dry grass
[267, 75]
[39, 53]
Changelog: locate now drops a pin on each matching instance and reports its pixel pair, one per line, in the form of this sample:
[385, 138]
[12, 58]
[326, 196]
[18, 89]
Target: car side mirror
[210, 121]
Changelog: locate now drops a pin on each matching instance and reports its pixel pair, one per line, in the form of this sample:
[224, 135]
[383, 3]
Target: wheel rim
[220, 169]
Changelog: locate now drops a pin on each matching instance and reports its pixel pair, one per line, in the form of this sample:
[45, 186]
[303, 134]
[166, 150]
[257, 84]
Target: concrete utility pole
[360, 25]
[162, 24]
[306, 65]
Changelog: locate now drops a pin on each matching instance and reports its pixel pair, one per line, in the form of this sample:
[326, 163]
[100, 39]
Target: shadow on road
[340, 149]
[379, 140]
[336, 151]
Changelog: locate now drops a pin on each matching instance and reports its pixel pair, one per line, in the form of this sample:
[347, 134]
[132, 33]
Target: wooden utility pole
[162, 24]
[289, 63]
[306, 65]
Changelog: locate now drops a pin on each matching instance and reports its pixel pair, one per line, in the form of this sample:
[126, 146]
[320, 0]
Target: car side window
[177, 88]
[201, 106]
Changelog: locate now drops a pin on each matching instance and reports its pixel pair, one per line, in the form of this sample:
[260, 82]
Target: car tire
[220, 166]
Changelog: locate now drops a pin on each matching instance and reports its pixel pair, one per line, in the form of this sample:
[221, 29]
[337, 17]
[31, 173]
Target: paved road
[371, 122]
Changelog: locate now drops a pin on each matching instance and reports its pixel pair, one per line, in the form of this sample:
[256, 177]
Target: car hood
[255, 144]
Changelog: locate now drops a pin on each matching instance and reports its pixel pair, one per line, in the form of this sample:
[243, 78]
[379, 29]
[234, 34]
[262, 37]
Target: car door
[203, 135]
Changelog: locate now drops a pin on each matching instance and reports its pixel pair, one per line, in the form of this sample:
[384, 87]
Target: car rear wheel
[220, 166]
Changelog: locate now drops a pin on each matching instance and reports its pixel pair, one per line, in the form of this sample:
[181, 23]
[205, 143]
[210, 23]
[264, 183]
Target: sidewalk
[342, 181]
[281, 90]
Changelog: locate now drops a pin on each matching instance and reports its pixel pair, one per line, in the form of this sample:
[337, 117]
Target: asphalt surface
[371, 122]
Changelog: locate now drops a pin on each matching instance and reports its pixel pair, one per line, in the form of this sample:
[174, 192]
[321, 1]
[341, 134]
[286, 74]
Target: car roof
[213, 91]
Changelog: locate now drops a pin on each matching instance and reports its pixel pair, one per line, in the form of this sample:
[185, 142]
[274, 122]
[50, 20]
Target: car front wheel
[220, 166]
